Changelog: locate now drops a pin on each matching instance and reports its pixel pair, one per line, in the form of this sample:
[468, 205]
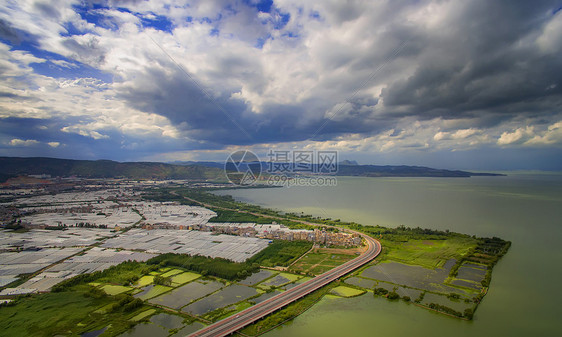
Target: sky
[449, 84]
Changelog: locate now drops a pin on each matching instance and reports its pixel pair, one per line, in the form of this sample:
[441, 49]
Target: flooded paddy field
[167, 321]
[361, 282]
[412, 293]
[146, 330]
[257, 277]
[388, 286]
[188, 329]
[455, 304]
[414, 276]
[466, 284]
[227, 296]
[264, 296]
[184, 295]
[161, 324]
[279, 280]
[470, 273]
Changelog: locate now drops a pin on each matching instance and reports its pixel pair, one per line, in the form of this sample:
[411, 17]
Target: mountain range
[16, 166]
[197, 171]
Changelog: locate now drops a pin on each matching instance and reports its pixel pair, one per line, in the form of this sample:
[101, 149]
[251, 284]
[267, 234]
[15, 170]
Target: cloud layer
[132, 80]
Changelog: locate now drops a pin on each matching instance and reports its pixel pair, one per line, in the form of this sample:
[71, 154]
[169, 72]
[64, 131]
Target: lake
[524, 208]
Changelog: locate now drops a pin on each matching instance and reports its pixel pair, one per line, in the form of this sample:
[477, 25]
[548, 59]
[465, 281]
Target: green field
[144, 281]
[320, 261]
[172, 272]
[156, 290]
[143, 315]
[344, 291]
[115, 290]
[182, 278]
[281, 253]
[428, 253]
[291, 277]
[68, 313]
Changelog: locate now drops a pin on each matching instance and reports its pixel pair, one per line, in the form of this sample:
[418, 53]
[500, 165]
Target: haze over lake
[522, 208]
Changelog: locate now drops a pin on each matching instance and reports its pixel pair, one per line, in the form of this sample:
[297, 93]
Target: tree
[393, 295]
[380, 291]
[163, 281]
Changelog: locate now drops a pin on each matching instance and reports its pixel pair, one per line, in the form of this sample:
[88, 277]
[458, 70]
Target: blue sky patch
[261, 41]
[66, 68]
[95, 15]
[262, 6]
[282, 21]
[159, 22]
[69, 69]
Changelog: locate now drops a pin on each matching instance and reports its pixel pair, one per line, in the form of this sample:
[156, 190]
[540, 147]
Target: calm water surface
[524, 297]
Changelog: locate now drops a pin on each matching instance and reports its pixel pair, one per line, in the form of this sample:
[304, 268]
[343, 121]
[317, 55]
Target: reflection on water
[94, 333]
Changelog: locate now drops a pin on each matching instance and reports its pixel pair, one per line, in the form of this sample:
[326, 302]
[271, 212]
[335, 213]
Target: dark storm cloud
[482, 63]
[486, 63]
[213, 119]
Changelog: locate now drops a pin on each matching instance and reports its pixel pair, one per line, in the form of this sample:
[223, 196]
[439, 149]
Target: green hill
[13, 166]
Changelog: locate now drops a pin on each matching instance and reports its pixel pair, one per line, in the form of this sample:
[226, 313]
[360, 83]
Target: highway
[236, 322]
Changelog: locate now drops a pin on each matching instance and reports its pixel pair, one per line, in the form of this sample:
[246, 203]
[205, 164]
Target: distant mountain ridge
[404, 171]
[199, 171]
[351, 168]
[14, 166]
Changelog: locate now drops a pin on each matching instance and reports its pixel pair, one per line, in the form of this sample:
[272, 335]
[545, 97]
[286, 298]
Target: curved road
[254, 313]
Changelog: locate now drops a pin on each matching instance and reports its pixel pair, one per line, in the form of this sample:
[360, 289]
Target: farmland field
[344, 291]
[257, 277]
[143, 315]
[152, 291]
[68, 312]
[361, 282]
[115, 290]
[184, 278]
[227, 296]
[172, 272]
[430, 254]
[183, 295]
[144, 281]
[321, 260]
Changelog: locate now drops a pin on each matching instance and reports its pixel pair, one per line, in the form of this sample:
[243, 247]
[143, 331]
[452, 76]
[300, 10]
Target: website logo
[242, 168]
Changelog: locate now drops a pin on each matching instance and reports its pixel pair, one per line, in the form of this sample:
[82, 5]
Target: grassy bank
[287, 313]
[67, 313]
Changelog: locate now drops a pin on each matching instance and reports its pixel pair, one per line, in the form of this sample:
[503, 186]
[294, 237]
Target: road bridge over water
[244, 318]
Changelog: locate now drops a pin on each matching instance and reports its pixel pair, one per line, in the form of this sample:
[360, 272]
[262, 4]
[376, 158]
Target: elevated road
[236, 322]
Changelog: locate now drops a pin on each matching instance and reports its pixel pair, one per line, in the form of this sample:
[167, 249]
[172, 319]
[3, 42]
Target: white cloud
[22, 142]
[552, 135]
[64, 64]
[82, 131]
[53, 144]
[518, 136]
[459, 134]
